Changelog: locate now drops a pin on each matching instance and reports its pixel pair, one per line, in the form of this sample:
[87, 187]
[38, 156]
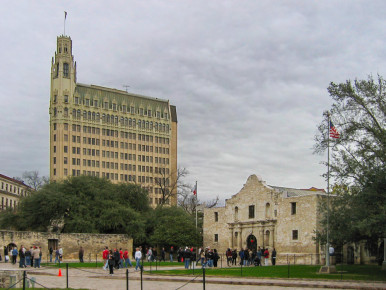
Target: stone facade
[267, 216]
[11, 190]
[92, 243]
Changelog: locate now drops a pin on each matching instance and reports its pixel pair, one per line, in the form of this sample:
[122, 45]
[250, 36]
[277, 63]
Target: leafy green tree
[357, 160]
[172, 226]
[82, 205]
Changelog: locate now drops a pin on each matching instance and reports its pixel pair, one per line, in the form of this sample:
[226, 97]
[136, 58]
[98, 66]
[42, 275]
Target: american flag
[333, 132]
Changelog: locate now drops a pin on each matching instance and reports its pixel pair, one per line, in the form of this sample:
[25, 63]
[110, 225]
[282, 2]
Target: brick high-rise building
[109, 133]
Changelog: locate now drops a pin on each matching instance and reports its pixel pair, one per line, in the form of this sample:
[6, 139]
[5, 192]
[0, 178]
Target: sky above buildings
[249, 78]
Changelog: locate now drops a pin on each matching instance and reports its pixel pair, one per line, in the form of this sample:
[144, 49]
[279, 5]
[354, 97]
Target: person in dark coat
[216, 257]
[163, 253]
[111, 262]
[273, 257]
[117, 257]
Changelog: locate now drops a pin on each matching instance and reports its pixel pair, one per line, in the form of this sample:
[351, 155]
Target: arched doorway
[252, 242]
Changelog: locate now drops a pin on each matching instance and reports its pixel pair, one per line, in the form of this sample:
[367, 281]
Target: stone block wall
[92, 243]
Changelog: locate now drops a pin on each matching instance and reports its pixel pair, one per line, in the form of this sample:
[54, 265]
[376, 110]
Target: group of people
[115, 259]
[249, 257]
[27, 257]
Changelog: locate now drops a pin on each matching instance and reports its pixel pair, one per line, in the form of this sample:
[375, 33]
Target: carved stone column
[271, 238]
[240, 239]
[230, 238]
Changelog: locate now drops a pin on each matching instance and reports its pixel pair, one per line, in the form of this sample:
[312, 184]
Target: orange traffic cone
[60, 273]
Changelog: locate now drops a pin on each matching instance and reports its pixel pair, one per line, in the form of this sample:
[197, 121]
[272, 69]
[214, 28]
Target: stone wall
[92, 243]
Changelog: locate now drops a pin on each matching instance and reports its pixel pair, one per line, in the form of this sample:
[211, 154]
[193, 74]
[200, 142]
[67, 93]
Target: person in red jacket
[266, 256]
[105, 256]
[127, 259]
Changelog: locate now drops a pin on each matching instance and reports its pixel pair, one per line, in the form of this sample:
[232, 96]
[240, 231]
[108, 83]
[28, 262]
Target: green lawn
[349, 272]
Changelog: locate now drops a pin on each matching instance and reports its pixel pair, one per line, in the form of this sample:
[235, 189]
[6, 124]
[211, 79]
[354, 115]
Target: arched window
[108, 118]
[93, 116]
[147, 125]
[84, 115]
[236, 213]
[126, 121]
[267, 211]
[139, 123]
[89, 115]
[167, 128]
[134, 124]
[116, 120]
[73, 113]
[57, 70]
[78, 114]
[130, 123]
[143, 124]
[122, 121]
[104, 118]
[266, 241]
[65, 112]
[156, 126]
[97, 116]
[151, 125]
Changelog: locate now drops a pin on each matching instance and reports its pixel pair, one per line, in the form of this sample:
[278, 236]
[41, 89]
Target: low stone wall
[93, 244]
[10, 277]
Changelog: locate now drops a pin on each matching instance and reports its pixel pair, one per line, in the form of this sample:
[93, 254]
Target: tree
[357, 160]
[172, 226]
[83, 205]
[32, 179]
[170, 183]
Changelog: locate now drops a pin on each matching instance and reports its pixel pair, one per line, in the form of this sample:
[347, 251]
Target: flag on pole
[65, 14]
[333, 132]
[194, 189]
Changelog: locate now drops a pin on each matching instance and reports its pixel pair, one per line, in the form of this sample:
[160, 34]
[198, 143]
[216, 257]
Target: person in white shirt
[138, 257]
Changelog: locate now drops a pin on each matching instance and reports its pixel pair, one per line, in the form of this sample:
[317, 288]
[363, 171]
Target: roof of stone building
[292, 192]
[99, 92]
[13, 180]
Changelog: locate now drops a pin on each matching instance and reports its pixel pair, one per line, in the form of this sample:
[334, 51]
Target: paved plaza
[99, 279]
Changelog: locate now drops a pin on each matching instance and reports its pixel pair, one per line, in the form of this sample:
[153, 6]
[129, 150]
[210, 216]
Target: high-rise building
[110, 133]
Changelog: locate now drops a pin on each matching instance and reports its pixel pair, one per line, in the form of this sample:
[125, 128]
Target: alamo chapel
[270, 217]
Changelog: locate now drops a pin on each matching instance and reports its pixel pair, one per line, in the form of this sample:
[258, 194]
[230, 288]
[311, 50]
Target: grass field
[345, 272]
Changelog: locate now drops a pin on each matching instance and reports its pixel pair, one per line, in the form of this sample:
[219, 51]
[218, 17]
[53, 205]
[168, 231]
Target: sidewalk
[93, 278]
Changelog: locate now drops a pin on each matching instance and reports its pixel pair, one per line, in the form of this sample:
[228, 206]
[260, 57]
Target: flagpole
[328, 190]
[196, 204]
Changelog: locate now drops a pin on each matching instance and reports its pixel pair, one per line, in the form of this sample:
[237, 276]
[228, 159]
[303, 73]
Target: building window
[65, 70]
[236, 213]
[293, 208]
[66, 98]
[251, 211]
[215, 238]
[267, 211]
[76, 100]
[216, 216]
[65, 149]
[295, 234]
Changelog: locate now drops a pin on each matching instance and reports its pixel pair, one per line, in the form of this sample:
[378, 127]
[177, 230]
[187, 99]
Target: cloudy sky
[249, 78]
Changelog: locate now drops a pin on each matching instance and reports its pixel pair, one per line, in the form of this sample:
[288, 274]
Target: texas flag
[194, 189]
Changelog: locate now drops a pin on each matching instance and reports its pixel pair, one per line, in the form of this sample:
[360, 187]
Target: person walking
[138, 257]
[216, 257]
[274, 257]
[111, 262]
[51, 252]
[14, 255]
[163, 255]
[36, 255]
[22, 257]
[266, 256]
[81, 254]
[105, 257]
[187, 255]
[171, 254]
[127, 259]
